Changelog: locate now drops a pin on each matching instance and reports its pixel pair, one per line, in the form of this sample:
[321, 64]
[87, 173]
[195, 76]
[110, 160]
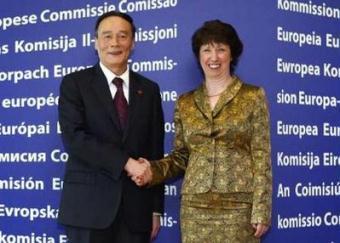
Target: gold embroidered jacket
[224, 150]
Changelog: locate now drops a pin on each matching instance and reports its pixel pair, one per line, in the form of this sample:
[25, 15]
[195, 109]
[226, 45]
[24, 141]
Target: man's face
[114, 43]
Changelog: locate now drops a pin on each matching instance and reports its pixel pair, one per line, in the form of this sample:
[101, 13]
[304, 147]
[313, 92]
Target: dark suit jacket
[95, 183]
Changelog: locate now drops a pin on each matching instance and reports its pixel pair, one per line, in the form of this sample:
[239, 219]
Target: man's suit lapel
[135, 95]
[102, 90]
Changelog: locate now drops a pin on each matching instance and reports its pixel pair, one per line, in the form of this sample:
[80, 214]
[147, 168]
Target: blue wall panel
[292, 49]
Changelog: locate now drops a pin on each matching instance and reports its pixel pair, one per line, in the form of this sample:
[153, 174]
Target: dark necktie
[120, 102]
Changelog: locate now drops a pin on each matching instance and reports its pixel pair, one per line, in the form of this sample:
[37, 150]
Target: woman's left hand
[260, 229]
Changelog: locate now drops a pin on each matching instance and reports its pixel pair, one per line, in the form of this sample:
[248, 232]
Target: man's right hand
[146, 177]
[134, 168]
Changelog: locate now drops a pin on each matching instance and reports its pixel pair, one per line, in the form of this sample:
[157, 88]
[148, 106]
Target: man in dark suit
[106, 126]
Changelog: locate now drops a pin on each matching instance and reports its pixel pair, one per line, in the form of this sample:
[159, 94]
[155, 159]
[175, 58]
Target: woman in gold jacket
[222, 144]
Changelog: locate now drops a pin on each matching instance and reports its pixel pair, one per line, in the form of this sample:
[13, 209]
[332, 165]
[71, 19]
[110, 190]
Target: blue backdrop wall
[291, 49]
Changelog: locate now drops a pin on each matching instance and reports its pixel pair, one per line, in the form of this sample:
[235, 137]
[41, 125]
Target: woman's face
[215, 60]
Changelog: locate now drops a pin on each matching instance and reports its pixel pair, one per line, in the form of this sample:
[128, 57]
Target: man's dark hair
[216, 31]
[125, 16]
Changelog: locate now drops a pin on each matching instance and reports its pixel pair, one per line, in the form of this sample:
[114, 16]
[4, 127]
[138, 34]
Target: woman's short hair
[216, 31]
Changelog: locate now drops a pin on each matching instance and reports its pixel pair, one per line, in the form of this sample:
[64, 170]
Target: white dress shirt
[110, 76]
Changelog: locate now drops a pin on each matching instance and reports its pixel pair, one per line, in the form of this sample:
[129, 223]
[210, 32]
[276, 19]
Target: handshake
[139, 171]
